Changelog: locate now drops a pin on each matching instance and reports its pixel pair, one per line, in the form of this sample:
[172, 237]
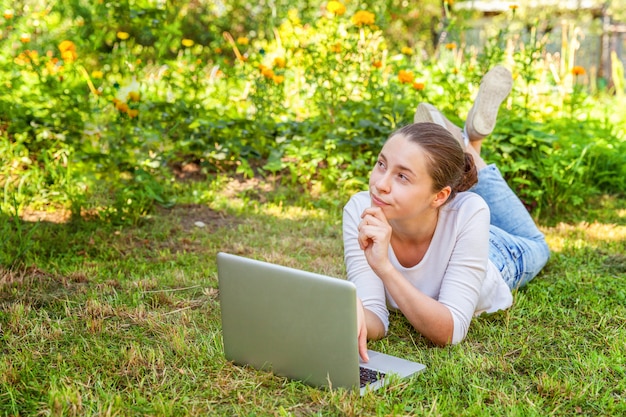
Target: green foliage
[103, 99]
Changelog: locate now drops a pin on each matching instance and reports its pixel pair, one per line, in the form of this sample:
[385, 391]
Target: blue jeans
[516, 246]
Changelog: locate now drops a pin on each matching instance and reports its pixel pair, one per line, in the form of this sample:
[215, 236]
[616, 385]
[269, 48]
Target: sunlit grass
[112, 320]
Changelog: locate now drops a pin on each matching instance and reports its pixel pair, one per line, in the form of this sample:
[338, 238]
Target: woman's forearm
[428, 316]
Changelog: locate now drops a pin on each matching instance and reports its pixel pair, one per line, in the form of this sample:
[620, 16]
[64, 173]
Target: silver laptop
[298, 324]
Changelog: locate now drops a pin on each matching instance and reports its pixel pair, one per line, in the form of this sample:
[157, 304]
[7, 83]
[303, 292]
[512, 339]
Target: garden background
[138, 138]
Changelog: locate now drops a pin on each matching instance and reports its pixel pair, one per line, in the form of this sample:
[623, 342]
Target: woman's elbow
[443, 340]
[442, 336]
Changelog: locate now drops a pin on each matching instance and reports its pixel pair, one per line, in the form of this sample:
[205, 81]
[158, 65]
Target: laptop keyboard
[369, 376]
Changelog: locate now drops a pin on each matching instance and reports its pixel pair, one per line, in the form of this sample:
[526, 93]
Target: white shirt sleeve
[369, 287]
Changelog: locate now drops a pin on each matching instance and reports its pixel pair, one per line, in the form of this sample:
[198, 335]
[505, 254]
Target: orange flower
[336, 8]
[25, 37]
[405, 76]
[278, 79]
[336, 48]
[267, 72]
[8, 14]
[377, 64]
[513, 6]
[451, 45]
[363, 18]
[120, 105]
[132, 113]
[418, 86]
[578, 70]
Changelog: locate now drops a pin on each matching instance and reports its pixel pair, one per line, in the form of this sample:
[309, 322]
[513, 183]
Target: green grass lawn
[105, 320]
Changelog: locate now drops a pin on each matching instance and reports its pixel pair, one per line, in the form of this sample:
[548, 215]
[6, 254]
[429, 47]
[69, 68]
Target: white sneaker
[428, 113]
[494, 88]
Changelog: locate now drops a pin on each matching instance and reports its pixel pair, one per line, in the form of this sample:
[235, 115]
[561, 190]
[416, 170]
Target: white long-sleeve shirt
[455, 270]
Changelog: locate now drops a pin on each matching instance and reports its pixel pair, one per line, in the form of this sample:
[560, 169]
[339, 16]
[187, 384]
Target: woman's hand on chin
[374, 237]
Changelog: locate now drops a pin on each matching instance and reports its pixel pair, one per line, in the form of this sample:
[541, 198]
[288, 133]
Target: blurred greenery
[106, 104]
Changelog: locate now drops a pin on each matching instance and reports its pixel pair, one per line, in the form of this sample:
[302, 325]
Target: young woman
[439, 235]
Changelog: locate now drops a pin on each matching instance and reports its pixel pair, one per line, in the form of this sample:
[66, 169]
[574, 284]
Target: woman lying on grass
[439, 236]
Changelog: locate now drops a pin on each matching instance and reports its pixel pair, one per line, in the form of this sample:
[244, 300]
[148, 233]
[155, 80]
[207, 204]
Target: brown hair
[447, 163]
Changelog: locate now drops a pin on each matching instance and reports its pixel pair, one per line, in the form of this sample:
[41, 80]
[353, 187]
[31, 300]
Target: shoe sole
[495, 86]
[427, 113]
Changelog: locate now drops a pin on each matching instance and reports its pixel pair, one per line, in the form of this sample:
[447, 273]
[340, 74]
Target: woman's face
[400, 183]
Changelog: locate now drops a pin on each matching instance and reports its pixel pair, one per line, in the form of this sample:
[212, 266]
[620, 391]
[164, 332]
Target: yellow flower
[336, 48]
[418, 86]
[363, 17]
[67, 46]
[25, 37]
[336, 8]
[52, 66]
[187, 43]
[279, 62]
[32, 55]
[405, 76]
[123, 35]
[97, 75]
[132, 113]
[68, 51]
[451, 45]
[8, 14]
[242, 40]
[578, 70]
[218, 50]
[69, 56]
[21, 59]
[513, 6]
[406, 50]
[278, 79]
[134, 96]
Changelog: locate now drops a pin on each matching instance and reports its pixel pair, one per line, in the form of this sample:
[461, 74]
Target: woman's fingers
[362, 331]
[374, 214]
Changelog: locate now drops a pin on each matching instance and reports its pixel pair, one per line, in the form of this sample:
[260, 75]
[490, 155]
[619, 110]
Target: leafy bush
[102, 99]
